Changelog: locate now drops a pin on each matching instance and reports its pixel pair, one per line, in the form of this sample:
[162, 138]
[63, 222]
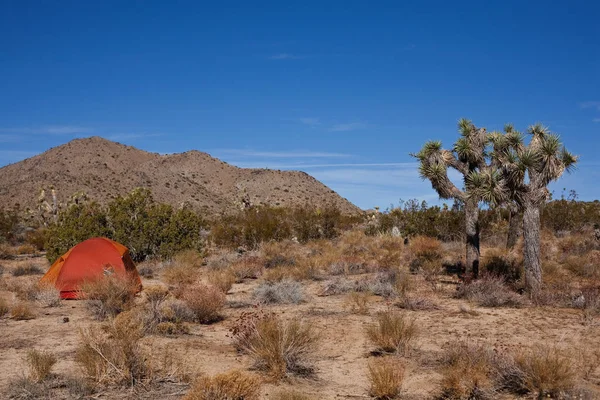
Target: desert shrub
[24, 388]
[426, 255]
[163, 315]
[6, 252]
[358, 302]
[180, 274]
[284, 292]
[339, 286]
[191, 257]
[385, 379]
[3, 307]
[490, 291]
[417, 303]
[9, 226]
[147, 228]
[27, 269]
[392, 332]
[290, 395]
[543, 370]
[589, 301]
[247, 268]
[148, 269]
[502, 265]
[233, 385]
[205, 302]
[48, 296]
[25, 249]
[587, 266]
[276, 346]
[467, 372]
[22, 312]
[223, 280]
[388, 283]
[40, 364]
[25, 290]
[36, 238]
[113, 353]
[108, 296]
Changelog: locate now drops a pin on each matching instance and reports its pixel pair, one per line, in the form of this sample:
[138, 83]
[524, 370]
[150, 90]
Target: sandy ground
[344, 350]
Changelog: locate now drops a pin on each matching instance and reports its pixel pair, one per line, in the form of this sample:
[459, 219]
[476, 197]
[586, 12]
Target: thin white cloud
[301, 166]
[279, 154]
[590, 104]
[285, 56]
[352, 126]
[49, 130]
[130, 136]
[13, 156]
[310, 121]
[596, 120]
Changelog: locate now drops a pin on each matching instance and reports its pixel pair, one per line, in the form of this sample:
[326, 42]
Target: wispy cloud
[596, 120]
[13, 156]
[130, 136]
[49, 130]
[590, 104]
[310, 121]
[285, 56]
[352, 126]
[278, 154]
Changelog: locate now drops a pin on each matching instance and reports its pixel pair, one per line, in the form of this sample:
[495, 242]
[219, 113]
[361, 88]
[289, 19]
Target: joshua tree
[542, 161]
[468, 157]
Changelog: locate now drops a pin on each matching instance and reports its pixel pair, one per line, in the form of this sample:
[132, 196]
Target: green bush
[147, 228]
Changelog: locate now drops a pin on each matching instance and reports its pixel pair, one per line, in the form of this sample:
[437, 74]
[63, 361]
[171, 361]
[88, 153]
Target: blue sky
[342, 90]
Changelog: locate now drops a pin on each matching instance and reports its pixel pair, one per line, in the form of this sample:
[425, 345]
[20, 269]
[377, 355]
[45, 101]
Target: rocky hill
[104, 169]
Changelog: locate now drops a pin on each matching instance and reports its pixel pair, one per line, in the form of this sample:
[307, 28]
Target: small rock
[65, 320]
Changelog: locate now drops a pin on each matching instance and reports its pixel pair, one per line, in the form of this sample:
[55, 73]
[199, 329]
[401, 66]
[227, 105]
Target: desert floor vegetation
[356, 315]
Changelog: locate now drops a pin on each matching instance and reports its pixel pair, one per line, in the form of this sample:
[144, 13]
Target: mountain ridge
[104, 169]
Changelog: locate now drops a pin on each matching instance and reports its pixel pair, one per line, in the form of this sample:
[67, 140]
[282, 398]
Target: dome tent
[89, 261]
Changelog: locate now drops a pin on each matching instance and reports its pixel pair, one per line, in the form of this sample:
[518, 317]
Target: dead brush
[178, 274]
[40, 364]
[247, 268]
[223, 280]
[277, 346]
[358, 302]
[22, 312]
[283, 292]
[113, 354]
[233, 385]
[27, 269]
[490, 291]
[108, 296]
[467, 372]
[393, 332]
[385, 378]
[48, 296]
[205, 302]
[189, 257]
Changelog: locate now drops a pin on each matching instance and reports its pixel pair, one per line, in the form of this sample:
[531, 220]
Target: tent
[88, 261]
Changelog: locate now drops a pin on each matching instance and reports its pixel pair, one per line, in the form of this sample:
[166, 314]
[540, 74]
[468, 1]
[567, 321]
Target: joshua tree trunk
[531, 234]
[472, 231]
[515, 225]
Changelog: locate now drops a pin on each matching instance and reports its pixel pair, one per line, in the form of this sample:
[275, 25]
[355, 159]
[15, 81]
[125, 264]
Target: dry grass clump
[48, 296]
[284, 292]
[40, 364]
[545, 371]
[22, 312]
[180, 274]
[586, 266]
[108, 296]
[276, 346]
[247, 268]
[417, 303]
[223, 280]
[27, 269]
[204, 301]
[4, 309]
[233, 385]
[113, 354]
[189, 257]
[393, 332]
[501, 263]
[25, 249]
[358, 302]
[6, 252]
[161, 314]
[490, 291]
[385, 378]
[467, 372]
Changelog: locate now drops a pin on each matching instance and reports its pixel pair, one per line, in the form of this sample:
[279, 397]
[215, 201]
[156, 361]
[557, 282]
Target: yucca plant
[468, 156]
[542, 161]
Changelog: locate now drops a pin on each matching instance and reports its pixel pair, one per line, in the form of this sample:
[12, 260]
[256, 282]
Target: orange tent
[88, 261]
